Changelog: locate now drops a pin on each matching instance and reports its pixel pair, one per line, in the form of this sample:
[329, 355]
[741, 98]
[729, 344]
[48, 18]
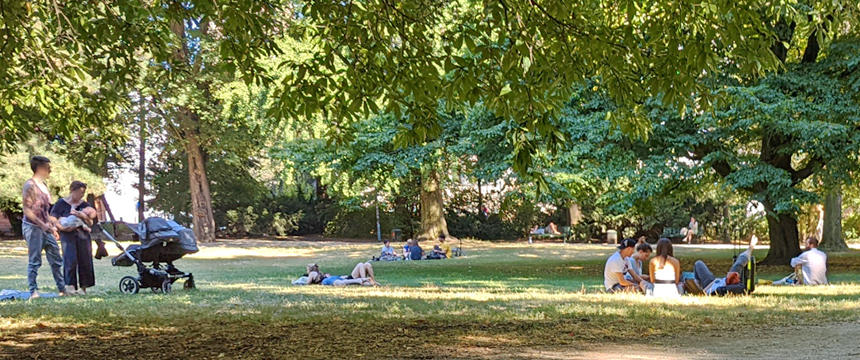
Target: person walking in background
[39, 228]
[77, 245]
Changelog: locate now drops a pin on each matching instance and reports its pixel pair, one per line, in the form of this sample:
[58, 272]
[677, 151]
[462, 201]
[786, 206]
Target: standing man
[692, 230]
[38, 227]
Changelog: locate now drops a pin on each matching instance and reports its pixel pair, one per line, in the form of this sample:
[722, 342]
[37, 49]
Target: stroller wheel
[189, 284]
[166, 286]
[128, 285]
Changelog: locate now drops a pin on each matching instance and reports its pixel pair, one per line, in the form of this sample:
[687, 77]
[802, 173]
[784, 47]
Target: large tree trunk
[201, 199]
[784, 237]
[831, 237]
[574, 214]
[432, 208]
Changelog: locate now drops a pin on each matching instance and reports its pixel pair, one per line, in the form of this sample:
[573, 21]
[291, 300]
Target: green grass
[507, 296]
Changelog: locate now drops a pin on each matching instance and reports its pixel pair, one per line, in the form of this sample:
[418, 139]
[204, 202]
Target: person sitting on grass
[634, 265]
[388, 253]
[704, 280]
[616, 267]
[665, 271]
[813, 263]
[406, 249]
[441, 250]
[811, 266]
[415, 251]
[362, 274]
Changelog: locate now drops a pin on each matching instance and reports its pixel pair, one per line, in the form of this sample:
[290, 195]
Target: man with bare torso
[39, 228]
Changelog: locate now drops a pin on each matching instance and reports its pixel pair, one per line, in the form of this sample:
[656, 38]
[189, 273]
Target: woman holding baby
[74, 218]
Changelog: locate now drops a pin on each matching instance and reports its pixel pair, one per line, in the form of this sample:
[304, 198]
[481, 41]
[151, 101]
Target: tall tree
[520, 58]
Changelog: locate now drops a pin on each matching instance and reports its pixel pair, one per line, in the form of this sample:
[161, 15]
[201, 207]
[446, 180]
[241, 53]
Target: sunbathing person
[665, 270]
[552, 229]
[362, 274]
[708, 283]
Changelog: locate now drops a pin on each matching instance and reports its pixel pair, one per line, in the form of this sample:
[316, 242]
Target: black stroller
[161, 242]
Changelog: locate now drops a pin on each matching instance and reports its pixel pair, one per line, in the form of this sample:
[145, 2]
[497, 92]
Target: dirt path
[830, 341]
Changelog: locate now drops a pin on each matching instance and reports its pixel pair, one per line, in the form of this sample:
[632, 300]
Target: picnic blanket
[7, 294]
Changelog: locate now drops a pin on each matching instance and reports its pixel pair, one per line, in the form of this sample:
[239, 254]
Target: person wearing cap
[617, 266]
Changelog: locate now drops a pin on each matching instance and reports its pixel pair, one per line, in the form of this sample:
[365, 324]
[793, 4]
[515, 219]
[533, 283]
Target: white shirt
[615, 264]
[813, 265]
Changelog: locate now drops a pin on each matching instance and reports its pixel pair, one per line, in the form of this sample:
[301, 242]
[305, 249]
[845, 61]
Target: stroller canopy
[160, 241]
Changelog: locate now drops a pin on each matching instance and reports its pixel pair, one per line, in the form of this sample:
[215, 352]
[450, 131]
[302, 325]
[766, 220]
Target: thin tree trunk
[201, 199]
[784, 237]
[831, 237]
[432, 207]
[141, 169]
[480, 198]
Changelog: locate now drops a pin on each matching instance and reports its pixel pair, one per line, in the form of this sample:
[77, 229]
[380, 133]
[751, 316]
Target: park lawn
[500, 297]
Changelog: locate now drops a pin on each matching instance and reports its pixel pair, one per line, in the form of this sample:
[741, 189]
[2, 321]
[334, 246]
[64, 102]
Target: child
[406, 250]
[74, 222]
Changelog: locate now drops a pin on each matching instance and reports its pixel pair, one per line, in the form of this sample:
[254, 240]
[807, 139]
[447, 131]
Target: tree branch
[811, 166]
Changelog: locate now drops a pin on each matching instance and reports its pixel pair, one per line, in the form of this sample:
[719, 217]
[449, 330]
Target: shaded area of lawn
[501, 297]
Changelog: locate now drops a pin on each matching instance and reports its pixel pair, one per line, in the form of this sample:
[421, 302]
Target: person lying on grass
[706, 282]
[362, 274]
[616, 267]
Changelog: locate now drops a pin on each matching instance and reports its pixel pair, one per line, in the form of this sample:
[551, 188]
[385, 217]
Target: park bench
[564, 234]
[673, 234]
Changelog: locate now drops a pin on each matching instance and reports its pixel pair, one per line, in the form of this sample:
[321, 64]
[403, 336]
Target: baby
[74, 222]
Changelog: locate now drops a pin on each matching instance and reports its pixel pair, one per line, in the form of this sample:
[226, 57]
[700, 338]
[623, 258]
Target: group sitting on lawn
[623, 270]
[413, 251]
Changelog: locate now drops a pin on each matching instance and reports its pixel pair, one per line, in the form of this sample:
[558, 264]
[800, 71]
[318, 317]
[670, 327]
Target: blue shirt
[330, 280]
